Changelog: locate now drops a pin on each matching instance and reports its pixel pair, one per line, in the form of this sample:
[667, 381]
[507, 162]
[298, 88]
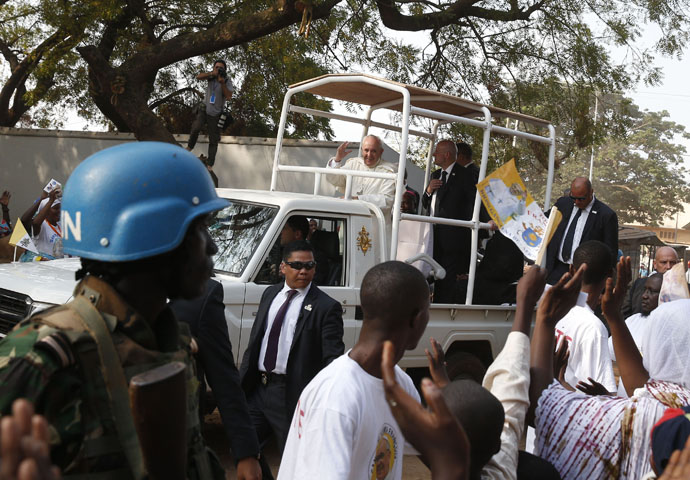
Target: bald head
[445, 154]
[395, 298]
[581, 192]
[665, 259]
[581, 182]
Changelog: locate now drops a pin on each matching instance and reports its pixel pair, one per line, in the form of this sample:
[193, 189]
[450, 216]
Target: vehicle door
[328, 236]
[238, 231]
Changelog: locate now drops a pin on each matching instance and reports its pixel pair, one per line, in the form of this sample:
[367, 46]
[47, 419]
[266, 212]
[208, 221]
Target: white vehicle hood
[50, 281]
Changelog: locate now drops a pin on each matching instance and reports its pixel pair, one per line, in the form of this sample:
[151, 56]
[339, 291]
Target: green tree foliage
[142, 55]
[37, 40]
[639, 174]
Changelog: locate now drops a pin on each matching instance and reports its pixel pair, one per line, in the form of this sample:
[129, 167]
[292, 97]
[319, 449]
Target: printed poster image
[513, 209]
[383, 459]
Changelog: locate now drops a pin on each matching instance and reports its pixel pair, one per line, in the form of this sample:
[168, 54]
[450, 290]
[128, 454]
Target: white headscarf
[666, 347]
[45, 200]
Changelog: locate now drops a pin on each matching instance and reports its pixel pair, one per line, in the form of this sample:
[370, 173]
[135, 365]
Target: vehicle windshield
[238, 230]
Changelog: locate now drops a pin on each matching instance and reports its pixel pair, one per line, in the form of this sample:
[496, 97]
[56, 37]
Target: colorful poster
[513, 209]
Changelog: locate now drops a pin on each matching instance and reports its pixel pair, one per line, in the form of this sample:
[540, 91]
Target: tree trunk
[123, 93]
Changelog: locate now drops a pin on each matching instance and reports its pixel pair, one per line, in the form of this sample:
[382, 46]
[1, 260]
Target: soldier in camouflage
[136, 214]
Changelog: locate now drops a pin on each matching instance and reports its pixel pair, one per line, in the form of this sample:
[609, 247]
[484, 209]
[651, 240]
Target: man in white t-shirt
[637, 323]
[342, 427]
[586, 334]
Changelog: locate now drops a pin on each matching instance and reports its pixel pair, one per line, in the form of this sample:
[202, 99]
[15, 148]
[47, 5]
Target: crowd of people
[332, 413]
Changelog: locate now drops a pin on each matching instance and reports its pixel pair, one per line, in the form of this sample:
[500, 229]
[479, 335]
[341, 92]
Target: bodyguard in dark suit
[298, 330]
[206, 318]
[450, 194]
[584, 218]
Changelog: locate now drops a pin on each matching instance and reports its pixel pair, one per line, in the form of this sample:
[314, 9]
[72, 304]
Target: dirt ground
[214, 434]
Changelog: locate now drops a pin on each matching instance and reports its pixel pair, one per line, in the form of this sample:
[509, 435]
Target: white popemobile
[352, 234]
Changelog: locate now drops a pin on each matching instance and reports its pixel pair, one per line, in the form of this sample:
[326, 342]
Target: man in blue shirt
[219, 90]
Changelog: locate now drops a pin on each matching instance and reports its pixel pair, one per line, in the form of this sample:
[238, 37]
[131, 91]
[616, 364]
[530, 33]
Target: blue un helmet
[134, 201]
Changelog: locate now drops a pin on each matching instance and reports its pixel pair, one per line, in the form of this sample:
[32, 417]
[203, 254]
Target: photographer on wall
[219, 90]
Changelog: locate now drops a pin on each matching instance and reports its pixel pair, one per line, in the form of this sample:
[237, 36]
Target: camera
[222, 73]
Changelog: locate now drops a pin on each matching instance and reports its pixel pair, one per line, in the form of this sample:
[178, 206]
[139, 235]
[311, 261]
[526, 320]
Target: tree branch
[163, 100]
[15, 84]
[393, 19]
[224, 35]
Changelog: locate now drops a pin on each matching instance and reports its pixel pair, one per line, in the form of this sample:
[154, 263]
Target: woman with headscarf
[604, 436]
[42, 221]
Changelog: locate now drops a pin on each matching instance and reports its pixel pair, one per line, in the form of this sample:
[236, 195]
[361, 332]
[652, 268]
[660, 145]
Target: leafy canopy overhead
[137, 60]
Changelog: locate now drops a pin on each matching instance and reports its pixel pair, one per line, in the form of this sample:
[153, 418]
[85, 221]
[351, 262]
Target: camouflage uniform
[54, 362]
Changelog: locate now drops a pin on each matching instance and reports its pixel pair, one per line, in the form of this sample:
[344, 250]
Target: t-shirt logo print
[385, 455]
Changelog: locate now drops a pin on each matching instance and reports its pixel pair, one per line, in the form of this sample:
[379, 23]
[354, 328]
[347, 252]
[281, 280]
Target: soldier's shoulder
[47, 336]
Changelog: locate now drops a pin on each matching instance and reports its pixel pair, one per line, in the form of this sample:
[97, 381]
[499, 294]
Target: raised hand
[342, 152]
[24, 446]
[437, 364]
[435, 433]
[560, 362]
[5, 198]
[531, 286]
[54, 193]
[678, 466]
[592, 388]
[559, 299]
[612, 300]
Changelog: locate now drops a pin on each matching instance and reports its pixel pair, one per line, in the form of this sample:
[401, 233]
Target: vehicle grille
[14, 307]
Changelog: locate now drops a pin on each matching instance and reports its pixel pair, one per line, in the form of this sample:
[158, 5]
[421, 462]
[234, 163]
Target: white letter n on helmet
[71, 226]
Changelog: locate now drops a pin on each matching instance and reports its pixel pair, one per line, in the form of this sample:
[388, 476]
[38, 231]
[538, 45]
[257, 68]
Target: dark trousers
[555, 274]
[211, 122]
[531, 467]
[267, 411]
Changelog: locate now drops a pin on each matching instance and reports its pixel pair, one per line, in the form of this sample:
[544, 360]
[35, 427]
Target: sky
[671, 95]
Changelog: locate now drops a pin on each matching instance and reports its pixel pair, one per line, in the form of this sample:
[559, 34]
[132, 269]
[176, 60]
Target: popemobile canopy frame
[378, 93]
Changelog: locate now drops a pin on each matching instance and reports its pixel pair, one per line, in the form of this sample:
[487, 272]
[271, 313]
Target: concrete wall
[30, 158]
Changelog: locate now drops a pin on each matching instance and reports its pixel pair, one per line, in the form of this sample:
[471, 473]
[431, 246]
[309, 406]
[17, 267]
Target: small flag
[555, 218]
[513, 209]
[674, 286]
[20, 238]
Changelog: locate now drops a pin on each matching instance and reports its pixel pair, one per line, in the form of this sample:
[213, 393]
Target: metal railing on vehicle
[409, 100]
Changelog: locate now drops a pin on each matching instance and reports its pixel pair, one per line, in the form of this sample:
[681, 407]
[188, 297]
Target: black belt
[270, 377]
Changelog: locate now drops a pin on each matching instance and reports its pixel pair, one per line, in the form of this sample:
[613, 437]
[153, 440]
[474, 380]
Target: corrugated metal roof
[642, 237]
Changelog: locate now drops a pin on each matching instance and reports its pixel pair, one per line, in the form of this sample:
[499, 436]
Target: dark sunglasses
[577, 198]
[301, 265]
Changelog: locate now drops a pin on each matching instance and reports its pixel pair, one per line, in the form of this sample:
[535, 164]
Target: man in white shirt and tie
[451, 194]
[584, 218]
[298, 330]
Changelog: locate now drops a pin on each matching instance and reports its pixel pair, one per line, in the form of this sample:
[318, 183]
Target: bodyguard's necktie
[444, 176]
[568, 242]
[274, 334]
